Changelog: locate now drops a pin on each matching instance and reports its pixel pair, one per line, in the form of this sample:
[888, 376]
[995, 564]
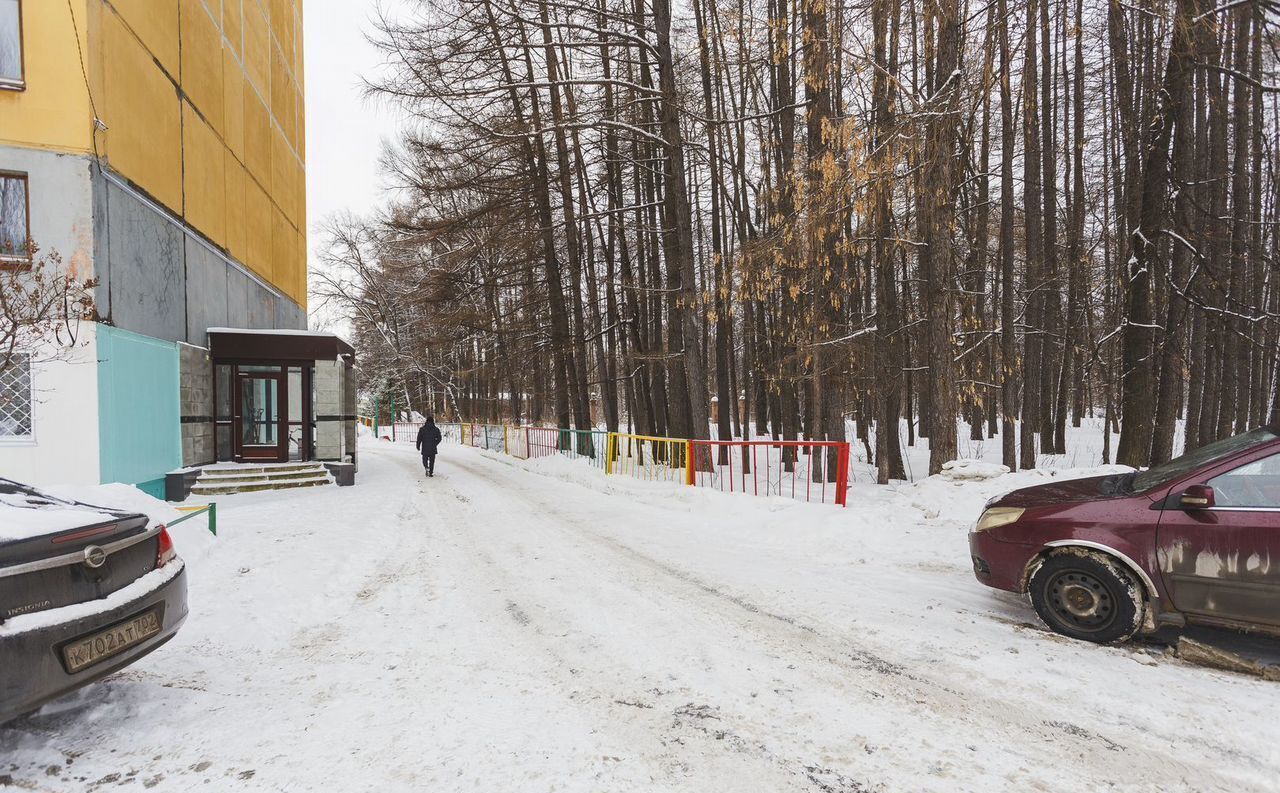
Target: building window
[11, 75]
[15, 227]
[15, 399]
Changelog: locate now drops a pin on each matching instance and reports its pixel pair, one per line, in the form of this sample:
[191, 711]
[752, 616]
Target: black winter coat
[429, 438]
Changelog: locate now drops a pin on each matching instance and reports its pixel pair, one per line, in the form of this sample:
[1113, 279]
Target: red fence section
[815, 471]
[542, 441]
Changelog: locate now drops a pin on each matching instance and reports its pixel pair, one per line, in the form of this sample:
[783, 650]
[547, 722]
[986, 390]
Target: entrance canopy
[284, 345]
[282, 395]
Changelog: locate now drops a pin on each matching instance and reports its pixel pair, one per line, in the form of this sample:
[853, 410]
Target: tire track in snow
[661, 747]
[1047, 736]
[688, 717]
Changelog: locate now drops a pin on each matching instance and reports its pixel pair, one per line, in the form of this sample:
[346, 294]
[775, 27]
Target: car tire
[1088, 595]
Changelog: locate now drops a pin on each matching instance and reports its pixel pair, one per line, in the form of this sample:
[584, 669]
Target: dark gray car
[84, 592]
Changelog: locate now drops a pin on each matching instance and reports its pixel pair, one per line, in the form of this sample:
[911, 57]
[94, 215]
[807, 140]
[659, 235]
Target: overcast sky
[344, 131]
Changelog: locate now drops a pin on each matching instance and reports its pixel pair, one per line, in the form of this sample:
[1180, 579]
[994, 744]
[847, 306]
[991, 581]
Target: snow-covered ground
[536, 626]
[1084, 448]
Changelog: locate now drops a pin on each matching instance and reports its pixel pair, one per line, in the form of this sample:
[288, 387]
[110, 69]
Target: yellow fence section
[650, 457]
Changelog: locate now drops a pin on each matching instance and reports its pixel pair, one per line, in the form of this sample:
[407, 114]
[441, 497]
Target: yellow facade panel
[259, 217]
[231, 26]
[236, 236]
[289, 120]
[281, 94]
[202, 62]
[284, 243]
[282, 26]
[53, 112]
[284, 178]
[300, 194]
[142, 111]
[257, 137]
[300, 295]
[257, 47]
[155, 22]
[203, 177]
[297, 46]
[300, 142]
[232, 104]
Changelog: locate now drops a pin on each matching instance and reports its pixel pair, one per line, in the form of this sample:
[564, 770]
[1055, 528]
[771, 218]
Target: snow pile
[942, 495]
[971, 470]
[1084, 448]
[191, 538]
[23, 517]
[119, 498]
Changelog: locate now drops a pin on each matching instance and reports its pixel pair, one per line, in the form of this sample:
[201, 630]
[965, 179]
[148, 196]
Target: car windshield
[1211, 452]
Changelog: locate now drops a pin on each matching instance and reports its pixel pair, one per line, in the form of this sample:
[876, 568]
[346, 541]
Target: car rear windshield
[1165, 473]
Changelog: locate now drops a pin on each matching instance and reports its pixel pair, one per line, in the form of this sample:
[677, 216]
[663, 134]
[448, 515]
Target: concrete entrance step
[229, 478]
[226, 479]
[261, 469]
[223, 488]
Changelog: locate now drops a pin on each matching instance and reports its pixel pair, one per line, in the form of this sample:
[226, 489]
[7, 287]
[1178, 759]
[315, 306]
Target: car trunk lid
[55, 552]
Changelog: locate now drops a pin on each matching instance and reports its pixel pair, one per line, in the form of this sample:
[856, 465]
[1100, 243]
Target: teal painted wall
[140, 436]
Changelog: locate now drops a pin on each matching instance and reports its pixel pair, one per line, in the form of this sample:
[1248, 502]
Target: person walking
[429, 438]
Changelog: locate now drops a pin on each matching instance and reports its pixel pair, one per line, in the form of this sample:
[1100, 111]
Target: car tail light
[165, 552]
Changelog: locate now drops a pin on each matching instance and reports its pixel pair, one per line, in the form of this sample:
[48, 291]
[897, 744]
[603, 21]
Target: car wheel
[1087, 595]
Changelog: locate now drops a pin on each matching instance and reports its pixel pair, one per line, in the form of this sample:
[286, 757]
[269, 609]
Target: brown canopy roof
[295, 345]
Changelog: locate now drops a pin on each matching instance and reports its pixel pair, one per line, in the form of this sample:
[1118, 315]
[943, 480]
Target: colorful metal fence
[450, 431]
[649, 457]
[815, 471]
[589, 445]
[517, 441]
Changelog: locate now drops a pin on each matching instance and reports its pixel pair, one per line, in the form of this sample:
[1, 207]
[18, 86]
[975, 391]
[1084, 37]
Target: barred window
[11, 44]
[15, 225]
[15, 399]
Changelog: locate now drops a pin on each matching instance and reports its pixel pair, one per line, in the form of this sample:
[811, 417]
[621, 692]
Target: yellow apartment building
[158, 146]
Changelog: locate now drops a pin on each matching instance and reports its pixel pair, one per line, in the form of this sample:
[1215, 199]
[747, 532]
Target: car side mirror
[1197, 497]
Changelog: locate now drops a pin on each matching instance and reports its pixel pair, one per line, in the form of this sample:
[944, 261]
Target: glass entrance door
[258, 426]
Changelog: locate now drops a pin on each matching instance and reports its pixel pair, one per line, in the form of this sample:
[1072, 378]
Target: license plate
[97, 647]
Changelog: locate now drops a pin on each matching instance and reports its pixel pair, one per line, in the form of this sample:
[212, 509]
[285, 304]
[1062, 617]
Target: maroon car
[1195, 540]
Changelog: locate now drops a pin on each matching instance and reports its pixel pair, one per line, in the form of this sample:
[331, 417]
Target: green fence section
[209, 509]
[591, 445]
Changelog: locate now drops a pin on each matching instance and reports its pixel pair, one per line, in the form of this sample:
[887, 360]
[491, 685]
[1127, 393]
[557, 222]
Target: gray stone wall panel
[330, 436]
[289, 315]
[206, 292]
[195, 372]
[146, 277]
[163, 281]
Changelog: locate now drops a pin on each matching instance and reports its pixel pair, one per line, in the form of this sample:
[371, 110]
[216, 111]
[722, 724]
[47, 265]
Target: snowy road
[502, 629]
